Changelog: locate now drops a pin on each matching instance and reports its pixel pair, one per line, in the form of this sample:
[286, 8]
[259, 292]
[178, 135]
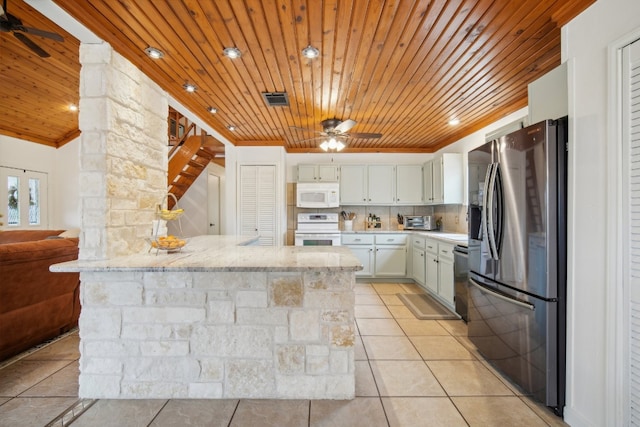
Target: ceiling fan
[10, 23]
[334, 133]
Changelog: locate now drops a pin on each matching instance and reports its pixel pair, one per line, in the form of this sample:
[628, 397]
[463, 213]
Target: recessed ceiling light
[73, 107]
[232, 52]
[310, 52]
[189, 87]
[231, 128]
[454, 122]
[154, 53]
[212, 110]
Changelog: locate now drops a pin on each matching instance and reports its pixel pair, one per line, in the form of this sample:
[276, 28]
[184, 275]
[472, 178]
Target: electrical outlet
[457, 219]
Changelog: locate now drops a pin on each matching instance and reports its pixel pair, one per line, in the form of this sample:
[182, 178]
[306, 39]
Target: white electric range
[317, 229]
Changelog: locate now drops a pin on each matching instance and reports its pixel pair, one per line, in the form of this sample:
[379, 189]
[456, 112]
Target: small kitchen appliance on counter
[419, 222]
[317, 229]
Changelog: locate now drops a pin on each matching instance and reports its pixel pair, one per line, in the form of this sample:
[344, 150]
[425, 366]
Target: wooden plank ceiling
[399, 68]
[35, 92]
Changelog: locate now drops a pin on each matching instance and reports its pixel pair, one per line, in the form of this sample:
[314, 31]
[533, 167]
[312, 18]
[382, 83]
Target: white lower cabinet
[381, 255]
[362, 246]
[418, 259]
[439, 271]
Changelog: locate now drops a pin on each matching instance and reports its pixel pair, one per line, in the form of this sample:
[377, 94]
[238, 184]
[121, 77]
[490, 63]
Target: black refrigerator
[517, 257]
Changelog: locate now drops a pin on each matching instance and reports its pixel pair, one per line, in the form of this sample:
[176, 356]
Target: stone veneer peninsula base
[270, 323]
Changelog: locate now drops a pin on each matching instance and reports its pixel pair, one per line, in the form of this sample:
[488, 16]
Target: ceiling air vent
[276, 99]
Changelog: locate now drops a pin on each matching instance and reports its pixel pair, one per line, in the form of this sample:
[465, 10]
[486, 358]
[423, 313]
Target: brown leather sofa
[35, 304]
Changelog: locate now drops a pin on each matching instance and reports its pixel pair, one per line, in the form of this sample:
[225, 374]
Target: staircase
[189, 156]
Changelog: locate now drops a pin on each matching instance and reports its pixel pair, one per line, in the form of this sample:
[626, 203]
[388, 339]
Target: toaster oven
[419, 222]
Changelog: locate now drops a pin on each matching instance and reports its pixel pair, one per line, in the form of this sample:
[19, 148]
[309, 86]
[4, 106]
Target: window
[24, 198]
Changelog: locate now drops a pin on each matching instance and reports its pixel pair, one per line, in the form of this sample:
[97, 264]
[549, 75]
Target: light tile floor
[409, 372]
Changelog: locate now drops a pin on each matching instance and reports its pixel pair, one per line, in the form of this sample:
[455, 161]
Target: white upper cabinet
[318, 173]
[381, 185]
[409, 185]
[367, 184]
[443, 180]
[353, 185]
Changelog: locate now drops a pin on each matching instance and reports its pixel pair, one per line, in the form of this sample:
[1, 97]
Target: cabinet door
[418, 265]
[428, 182]
[409, 183]
[307, 173]
[353, 184]
[390, 261]
[445, 281]
[438, 188]
[327, 173]
[381, 184]
[364, 254]
[431, 272]
[452, 178]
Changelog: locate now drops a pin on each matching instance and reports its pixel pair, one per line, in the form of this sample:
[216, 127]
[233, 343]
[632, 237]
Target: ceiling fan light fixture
[310, 52]
[232, 52]
[189, 87]
[332, 144]
[154, 53]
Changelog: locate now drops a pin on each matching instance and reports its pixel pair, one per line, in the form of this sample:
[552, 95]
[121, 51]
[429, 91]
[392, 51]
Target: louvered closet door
[631, 123]
[267, 205]
[258, 202]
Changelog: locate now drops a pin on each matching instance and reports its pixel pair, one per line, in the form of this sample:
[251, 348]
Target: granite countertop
[453, 238]
[224, 253]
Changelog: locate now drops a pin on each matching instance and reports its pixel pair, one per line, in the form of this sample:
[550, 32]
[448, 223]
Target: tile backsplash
[454, 217]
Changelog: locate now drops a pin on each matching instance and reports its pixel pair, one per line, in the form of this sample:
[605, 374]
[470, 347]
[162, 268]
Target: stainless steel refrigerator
[517, 257]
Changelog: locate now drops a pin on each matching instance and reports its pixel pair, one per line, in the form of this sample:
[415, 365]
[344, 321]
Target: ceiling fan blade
[310, 139]
[37, 32]
[345, 126]
[365, 135]
[299, 128]
[31, 45]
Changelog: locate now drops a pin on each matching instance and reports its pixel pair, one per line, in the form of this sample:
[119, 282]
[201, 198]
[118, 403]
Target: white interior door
[213, 192]
[630, 230]
[23, 199]
[258, 209]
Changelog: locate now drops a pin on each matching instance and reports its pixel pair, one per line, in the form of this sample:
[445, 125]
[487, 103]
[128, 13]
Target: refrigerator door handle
[485, 205]
[491, 233]
[500, 296]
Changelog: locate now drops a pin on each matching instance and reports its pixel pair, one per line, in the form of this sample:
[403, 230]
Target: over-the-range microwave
[318, 195]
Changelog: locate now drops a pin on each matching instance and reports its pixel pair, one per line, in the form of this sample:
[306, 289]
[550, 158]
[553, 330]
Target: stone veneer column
[123, 153]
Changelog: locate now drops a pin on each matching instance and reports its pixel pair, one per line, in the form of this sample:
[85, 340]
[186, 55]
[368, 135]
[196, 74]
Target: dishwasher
[460, 275]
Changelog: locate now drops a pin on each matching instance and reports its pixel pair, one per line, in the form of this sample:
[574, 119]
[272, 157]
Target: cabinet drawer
[391, 239]
[357, 239]
[431, 246]
[445, 251]
[418, 242]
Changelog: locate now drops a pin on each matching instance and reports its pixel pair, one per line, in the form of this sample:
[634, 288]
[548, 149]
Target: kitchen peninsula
[220, 319]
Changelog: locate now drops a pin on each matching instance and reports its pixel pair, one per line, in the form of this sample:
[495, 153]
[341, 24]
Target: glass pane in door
[34, 201]
[13, 202]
